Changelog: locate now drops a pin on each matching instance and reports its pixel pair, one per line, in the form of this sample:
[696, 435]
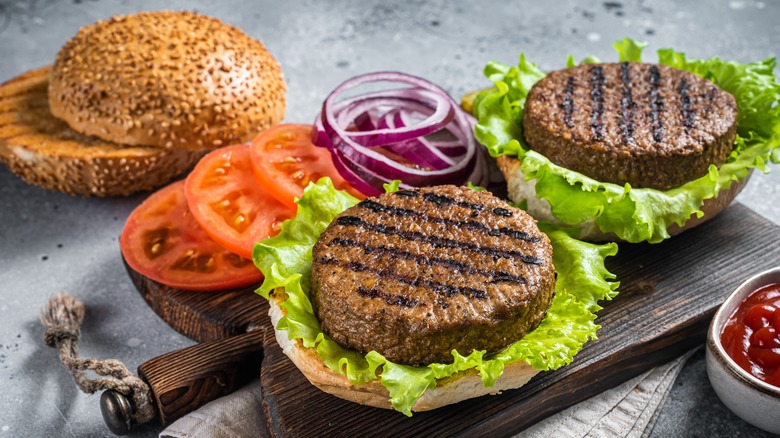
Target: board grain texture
[668, 294]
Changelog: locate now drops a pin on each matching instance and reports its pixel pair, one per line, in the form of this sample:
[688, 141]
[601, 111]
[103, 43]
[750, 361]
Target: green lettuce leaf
[582, 280]
[474, 188]
[392, 186]
[634, 214]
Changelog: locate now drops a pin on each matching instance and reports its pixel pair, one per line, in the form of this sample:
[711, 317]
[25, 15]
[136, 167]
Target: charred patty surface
[648, 125]
[417, 273]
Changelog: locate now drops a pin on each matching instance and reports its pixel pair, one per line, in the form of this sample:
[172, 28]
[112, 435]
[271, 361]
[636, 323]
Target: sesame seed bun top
[166, 79]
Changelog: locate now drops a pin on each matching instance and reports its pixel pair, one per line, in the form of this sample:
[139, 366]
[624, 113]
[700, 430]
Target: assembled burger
[629, 151]
[423, 297]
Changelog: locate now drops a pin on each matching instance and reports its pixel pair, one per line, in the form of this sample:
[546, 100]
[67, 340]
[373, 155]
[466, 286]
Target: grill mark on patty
[568, 102]
[442, 289]
[597, 100]
[627, 105]
[656, 103]
[407, 193]
[688, 113]
[391, 300]
[440, 200]
[502, 212]
[438, 242]
[494, 276]
[376, 207]
[712, 93]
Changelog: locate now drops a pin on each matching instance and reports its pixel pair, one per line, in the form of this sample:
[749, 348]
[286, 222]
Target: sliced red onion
[450, 148]
[364, 122]
[359, 182]
[419, 150]
[378, 137]
[429, 152]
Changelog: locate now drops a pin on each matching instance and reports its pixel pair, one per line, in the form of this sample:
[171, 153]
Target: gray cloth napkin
[628, 410]
[237, 415]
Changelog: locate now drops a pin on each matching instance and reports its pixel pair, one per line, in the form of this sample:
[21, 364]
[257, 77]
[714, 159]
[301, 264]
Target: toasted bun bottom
[45, 151]
[520, 189]
[462, 386]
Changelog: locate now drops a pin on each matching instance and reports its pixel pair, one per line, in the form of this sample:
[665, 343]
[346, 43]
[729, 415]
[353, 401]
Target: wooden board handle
[184, 380]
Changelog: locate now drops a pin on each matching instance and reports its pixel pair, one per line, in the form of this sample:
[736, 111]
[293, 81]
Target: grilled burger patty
[417, 273]
[648, 125]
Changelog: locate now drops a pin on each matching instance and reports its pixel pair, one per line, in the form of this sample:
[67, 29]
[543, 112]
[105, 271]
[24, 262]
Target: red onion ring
[378, 137]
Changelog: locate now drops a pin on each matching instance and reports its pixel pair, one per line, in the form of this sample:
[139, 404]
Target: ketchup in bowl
[751, 336]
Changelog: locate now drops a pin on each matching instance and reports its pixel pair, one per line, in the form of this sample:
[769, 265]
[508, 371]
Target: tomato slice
[285, 161]
[162, 241]
[229, 203]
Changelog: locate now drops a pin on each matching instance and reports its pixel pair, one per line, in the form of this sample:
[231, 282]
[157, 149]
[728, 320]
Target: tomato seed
[154, 242]
[204, 263]
[235, 260]
[284, 166]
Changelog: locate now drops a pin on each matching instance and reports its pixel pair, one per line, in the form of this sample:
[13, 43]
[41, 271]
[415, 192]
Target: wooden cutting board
[668, 294]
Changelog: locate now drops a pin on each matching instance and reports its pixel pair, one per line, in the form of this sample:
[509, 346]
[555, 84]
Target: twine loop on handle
[62, 316]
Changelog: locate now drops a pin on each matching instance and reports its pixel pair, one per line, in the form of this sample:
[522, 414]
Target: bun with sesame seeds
[44, 151]
[168, 80]
[134, 101]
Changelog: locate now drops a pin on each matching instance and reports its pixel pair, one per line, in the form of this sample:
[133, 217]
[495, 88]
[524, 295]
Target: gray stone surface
[50, 242]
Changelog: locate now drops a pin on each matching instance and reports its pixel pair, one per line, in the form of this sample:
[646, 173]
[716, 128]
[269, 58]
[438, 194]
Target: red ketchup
[752, 335]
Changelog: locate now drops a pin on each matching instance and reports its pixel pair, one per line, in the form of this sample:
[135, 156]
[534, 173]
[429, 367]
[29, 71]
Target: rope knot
[62, 316]
[58, 334]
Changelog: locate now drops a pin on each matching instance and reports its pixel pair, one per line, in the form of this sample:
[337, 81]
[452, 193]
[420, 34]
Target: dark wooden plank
[203, 316]
[668, 294]
[184, 380]
[231, 326]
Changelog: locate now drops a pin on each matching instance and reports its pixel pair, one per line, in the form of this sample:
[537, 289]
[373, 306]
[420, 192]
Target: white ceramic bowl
[754, 401]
